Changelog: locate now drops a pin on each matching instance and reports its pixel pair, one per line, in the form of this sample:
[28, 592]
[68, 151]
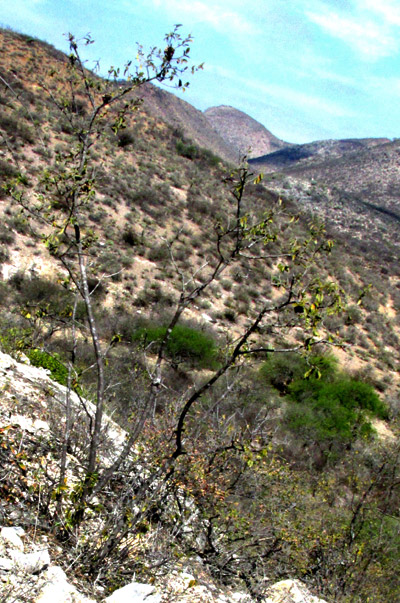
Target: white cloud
[28, 10]
[284, 95]
[331, 76]
[385, 87]
[217, 15]
[370, 38]
[389, 10]
[313, 65]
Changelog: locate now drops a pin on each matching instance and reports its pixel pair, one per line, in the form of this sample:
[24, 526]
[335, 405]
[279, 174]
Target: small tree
[92, 107]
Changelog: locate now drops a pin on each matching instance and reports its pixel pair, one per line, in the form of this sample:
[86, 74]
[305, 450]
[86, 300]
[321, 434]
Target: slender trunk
[95, 436]
[67, 429]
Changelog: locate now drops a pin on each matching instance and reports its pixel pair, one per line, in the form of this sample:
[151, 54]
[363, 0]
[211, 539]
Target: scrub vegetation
[204, 312]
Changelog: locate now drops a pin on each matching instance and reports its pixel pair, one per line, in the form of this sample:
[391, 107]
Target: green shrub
[15, 339]
[324, 405]
[130, 237]
[281, 370]
[41, 295]
[353, 315]
[125, 138]
[110, 264]
[18, 222]
[153, 294]
[353, 394]
[209, 158]
[185, 344]
[158, 253]
[332, 412]
[96, 286]
[58, 370]
[4, 254]
[7, 236]
[188, 150]
[7, 170]
[16, 129]
[192, 151]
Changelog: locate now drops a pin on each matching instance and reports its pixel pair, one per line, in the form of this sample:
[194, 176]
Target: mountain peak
[242, 132]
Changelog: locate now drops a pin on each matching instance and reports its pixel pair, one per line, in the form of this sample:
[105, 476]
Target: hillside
[28, 562]
[353, 185]
[192, 123]
[251, 362]
[242, 132]
[305, 156]
[369, 173]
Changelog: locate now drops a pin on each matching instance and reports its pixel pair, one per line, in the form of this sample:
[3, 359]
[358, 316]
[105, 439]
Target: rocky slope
[352, 184]
[310, 155]
[367, 170]
[259, 492]
[192, 123]
[242, 132]
[32, 563]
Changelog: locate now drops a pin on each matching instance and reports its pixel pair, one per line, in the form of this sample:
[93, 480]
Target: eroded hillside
[252, 363]
[245, 135]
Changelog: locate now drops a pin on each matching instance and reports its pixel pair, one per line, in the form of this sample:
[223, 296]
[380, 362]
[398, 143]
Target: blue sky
[306, 69]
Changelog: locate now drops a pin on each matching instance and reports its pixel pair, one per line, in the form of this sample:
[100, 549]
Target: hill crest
[242, 132]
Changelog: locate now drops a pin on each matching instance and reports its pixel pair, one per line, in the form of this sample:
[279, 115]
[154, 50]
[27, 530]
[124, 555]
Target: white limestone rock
[134, 593]
[22, 380]
[57, 589]
[29, 425]
[12, 536]
[6, 564]
[23, 358]
[241, 598]
[33, 562]
[291, 591]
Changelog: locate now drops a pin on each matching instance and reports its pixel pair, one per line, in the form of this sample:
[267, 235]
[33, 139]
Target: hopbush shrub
[338, 411]
[324, 405]
[281, 370]
[188, 150]
[192, 151]
[125, 138]
[185, 344]
[14, 339]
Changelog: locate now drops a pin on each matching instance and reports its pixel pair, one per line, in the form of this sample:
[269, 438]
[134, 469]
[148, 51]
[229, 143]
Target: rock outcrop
[29, 402]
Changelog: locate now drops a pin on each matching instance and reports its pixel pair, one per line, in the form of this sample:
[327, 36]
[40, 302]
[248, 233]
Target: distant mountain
[352, 184]
[193, 123]
[366, 169]
[241, 132]
[308, 154]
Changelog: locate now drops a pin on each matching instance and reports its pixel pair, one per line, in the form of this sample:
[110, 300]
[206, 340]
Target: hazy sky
[306, 69]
